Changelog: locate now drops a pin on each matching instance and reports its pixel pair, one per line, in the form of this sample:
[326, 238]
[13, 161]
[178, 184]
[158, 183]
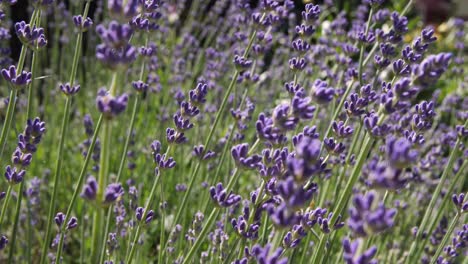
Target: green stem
[338, 109]
[63, 134]
[102, 181]
[79, 184]
[58, 170]
[447, 236]
[211, 219]
[129, 258]
[432, 203]
[123, 158]
[16, 220]
[201, 237]
[30, 86]
[162, 221]
[5, 204]
[361, 53]
[344, 197]
[446, 199]
[35, 20]
[376, 45]
[9, 118]
[211, 133]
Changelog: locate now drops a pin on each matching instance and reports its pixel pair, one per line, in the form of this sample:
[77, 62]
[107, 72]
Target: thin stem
[210, 134]
[447, 236]
[58, 170]
[344, 197]
[361, 53]
[79, 184]
[9, 117]
[432, 203]
[103, 174]
[16, 220]
[13, 94]
[30, 86]
[338, 109]
[63, 134]
[211, 219]
[446, 199]
[5, 204]
[123, 158]
[129, 258]
[36, 20]
[163, 218]
[376, 45]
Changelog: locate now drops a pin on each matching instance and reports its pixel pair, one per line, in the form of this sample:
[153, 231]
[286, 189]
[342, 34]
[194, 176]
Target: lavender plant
[232, 131]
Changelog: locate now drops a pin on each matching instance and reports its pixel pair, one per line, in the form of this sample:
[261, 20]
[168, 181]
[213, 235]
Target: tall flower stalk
[63, 136]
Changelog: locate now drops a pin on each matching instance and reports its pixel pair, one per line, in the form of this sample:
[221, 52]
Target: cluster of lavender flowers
[232, 131]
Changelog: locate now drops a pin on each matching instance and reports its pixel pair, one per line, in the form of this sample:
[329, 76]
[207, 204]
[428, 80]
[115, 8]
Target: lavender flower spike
[221, 198]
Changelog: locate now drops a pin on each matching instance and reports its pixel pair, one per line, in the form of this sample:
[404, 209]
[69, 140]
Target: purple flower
[90, 189]
[365, 218]
[59, 219]
[294, 237]
[334, 147]
[319, 216]
[381, 175]
[243, 229]
[399, 152]
[371, 124]
[14, 175]
[188, 110]
[266, 130]
[32, 37]
[199, 152]
[351, 250]
[274, 162]
[297, 64]
[69, 90]
[294, 195]
[149, 217]
[115, 35]
[197, 96]
[140, 86]
[161, 160]
[300, 45]
[109, 105]
[241, 62]
[301, 108]
[139, 213]
[181, 123]
[265, 255]
[20, 158]
[282, 119]
[180, 187]
[431, 68]
[240, 155]
[311, 13]
[341, 130]
[459, 201]
[321, 93]
[113, 192]
[72, 223]
[3, 242]
[83, 24]
[305, 30]
[221, 198]
[17, 80]
[400, 23]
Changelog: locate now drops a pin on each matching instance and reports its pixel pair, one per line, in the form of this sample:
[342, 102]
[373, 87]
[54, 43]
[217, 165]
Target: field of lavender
[232, 131]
